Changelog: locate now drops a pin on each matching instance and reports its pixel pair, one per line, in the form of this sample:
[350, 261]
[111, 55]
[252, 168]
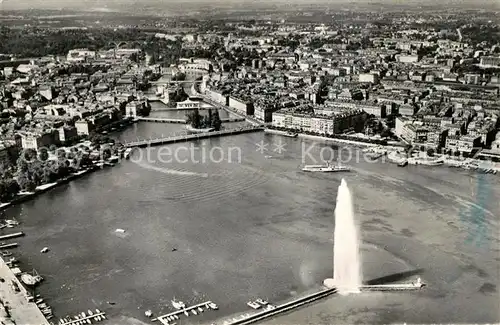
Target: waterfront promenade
[21, 311]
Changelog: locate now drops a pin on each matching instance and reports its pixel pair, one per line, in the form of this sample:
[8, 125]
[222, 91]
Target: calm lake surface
[257, 226]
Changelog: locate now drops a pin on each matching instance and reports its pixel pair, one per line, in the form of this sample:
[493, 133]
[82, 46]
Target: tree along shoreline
[210, 121]
[22, 197]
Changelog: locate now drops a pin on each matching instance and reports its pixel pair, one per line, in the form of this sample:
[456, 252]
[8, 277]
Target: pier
[188, 137]
[162, 320]
[14, 235]
[12, 245]
[257, 317]
[91, 318]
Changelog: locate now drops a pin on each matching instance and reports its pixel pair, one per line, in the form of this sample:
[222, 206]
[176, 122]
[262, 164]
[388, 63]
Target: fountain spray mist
[346, 261]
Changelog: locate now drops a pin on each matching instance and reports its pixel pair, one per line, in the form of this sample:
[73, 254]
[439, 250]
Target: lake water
[257, 226]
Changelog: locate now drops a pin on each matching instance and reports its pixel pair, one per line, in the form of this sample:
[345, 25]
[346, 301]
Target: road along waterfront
[256, 228]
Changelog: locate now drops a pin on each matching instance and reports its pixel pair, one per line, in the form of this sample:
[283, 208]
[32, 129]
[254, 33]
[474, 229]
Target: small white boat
[186, 313]
[176, 317]
[200, 309]
[148, 313]
[194, 312]
[127, 153]
[213, 306]
[178, 304]
[44, 250]
[261, 302]
[99, 312]
[253, 305]
[328, 168]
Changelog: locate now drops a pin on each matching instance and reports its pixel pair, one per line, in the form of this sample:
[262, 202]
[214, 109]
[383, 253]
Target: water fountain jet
[346, 264]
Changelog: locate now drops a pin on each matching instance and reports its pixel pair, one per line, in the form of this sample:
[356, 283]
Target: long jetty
[161, 318]
[257, 317]
[188, 137]
[13, 235]
[91, 318]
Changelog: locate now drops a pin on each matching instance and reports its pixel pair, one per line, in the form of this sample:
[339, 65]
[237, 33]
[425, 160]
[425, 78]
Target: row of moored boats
[84, 318]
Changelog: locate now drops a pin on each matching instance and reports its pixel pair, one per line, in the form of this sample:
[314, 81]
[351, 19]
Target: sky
[121, 4]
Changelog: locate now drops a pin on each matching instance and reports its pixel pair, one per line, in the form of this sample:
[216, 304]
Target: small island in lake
[198, 123]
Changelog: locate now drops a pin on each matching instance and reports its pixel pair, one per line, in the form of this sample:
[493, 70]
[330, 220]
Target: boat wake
[173, 171]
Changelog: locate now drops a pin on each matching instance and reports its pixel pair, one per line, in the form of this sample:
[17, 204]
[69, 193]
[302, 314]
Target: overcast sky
[122, 4]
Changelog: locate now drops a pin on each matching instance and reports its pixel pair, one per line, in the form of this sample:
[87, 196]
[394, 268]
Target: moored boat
[327, 168]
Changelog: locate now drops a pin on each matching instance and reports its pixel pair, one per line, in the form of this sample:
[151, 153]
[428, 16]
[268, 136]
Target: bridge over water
[181, 121]
[189, 137]
[177, 82]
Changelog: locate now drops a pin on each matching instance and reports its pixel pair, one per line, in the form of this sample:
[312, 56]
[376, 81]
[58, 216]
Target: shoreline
[21, 310]
[392, 149]
[26, 196]
[323, 138]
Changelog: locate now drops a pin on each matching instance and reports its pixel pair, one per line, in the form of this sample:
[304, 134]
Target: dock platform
[162, 319]
[84, 319]
[13, 235]
[15, 295]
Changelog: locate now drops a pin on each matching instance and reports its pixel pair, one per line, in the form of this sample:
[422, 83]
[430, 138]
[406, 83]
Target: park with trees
[210, 121]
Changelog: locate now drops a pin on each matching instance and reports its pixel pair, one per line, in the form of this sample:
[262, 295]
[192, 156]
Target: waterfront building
[243, 106]
[414, 133]
[67, 133]
[188, 104]
[38, 139]
[464, 144]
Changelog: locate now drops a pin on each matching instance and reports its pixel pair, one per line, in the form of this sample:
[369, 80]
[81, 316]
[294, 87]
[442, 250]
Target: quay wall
[21, 311]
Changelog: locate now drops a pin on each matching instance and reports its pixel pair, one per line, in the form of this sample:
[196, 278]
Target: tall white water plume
[346, 255]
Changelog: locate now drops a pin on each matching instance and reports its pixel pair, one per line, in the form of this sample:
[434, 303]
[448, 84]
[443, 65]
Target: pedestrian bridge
[182, 121]
[176, 82]
[188, 137]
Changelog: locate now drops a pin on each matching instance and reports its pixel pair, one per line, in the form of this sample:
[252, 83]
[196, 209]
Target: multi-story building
[407, 58]
[414, 133]
[84, 127]
[490, 62]
[79, 55]
[464, 144]
[217, 96]
[39, 139]
[264, 114]
[368, 77]
[241, 105]
[67, 134]
[322, 124]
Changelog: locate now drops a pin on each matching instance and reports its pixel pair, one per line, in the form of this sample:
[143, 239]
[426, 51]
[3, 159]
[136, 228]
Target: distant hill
[158, 5]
